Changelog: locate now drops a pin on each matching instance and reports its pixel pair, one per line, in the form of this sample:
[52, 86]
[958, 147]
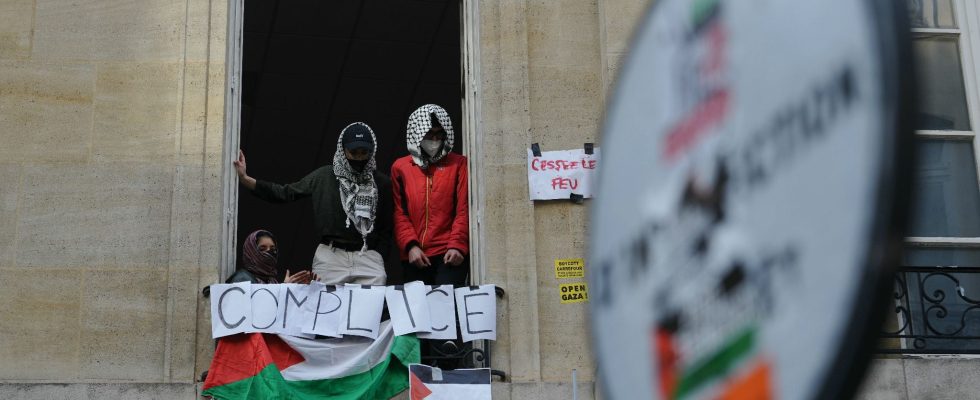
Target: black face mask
[274, 253]
[357, 165]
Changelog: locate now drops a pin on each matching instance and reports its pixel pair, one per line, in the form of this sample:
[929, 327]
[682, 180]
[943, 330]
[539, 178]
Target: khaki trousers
[337, 266]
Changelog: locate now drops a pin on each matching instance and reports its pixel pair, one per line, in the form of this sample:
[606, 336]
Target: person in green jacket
[351, 208]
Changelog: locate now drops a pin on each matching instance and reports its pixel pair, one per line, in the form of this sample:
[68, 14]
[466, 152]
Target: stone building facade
[116, 193]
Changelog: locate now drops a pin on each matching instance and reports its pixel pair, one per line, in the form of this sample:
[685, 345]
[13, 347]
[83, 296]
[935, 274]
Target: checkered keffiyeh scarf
[358, 191]
[419, 124]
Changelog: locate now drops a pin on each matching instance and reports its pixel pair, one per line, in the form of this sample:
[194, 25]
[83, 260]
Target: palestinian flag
[430, 383]
[265, 366]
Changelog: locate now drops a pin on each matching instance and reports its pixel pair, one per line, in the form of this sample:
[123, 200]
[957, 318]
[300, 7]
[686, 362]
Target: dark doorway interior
[311, 67]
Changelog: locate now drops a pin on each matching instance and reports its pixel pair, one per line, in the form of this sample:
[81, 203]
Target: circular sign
[748, 211]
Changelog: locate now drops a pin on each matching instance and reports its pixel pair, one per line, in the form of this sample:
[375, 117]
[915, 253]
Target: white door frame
[230, 143]
[472, 133]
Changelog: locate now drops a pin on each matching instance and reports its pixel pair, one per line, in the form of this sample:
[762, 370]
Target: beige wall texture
[111, 125]
[546, 67]
[111, 136]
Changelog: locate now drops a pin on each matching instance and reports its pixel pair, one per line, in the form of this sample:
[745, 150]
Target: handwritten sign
[265, 307]
[292, 297]
[574, 292]
[408, 307]
[361, 316]
[442, 312]
[321, 315]
[477, 309]
[336, 311]
[569, 268]
[560, 174]
[231, 309]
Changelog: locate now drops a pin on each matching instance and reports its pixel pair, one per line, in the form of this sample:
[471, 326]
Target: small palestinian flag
[432, 383]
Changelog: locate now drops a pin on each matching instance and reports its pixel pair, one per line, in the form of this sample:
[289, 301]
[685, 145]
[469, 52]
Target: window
[938, 290]
[312, 67]
[299, 70]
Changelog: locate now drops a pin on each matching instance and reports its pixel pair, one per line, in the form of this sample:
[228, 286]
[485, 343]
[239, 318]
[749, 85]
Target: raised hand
[302, 277]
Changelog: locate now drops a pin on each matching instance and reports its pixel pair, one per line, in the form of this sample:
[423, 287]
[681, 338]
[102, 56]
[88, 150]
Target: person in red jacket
[431, 220]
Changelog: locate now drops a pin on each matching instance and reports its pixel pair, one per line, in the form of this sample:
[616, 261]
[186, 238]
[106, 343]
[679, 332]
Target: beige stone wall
[111, 125]
[546, 66]
[617, 19]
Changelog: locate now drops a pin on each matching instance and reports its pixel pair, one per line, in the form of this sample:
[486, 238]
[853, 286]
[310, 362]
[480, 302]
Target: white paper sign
[230, 309]
[408, 308]
[323, 309]
[360, 314]
[317, 309]
[292, 298]
[442, 313]
[477, 308]
[265, 308]
[559, 174]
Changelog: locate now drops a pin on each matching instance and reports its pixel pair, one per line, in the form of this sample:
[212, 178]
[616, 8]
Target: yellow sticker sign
[574, 292]
[569, 268]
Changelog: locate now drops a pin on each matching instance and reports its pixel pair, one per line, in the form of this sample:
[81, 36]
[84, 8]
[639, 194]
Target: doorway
[310, 68]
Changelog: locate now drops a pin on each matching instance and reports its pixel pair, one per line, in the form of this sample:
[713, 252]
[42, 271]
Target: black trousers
[439, 353]
[439, 273]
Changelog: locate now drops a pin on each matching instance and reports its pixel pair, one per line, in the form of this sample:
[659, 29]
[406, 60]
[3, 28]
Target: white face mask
[431, 147]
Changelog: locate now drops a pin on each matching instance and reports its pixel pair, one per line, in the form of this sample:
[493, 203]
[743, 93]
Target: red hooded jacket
[431, 207]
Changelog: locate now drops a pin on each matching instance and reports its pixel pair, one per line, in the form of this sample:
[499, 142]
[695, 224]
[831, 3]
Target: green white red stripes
[717, 364]
[263, 366]
[736, 366]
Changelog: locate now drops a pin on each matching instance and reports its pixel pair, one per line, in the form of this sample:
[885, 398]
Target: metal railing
[454, 354]
[936, 311]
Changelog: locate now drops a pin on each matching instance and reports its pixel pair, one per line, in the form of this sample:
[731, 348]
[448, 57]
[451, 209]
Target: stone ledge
[94, 391]
[165, 391]
[921, 378]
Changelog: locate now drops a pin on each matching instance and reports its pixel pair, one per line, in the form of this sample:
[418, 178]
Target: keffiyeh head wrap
[419, 124]
[358, 192]
[262, 265]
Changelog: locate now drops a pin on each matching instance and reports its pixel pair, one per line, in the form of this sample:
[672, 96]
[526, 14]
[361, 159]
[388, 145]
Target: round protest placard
[750, 210]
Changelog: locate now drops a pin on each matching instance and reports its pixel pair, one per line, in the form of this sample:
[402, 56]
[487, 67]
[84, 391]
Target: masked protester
[260, 258]
[430, 200]
[351, 208]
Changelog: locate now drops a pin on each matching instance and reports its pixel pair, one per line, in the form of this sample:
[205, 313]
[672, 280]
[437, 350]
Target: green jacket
[241, 275]
[330, 220]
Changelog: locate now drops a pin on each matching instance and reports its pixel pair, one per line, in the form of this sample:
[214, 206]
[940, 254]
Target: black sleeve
[383, 216]
[240, 275]
[276, 193]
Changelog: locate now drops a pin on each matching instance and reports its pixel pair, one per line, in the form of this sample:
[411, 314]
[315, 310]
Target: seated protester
[259, 262]
[351, 209]
[430, 200]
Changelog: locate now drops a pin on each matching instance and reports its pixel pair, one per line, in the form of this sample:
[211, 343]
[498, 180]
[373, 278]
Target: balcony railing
[454, 354]
[936, 311]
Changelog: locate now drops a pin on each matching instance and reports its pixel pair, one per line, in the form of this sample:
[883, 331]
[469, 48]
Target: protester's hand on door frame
[241, 169]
